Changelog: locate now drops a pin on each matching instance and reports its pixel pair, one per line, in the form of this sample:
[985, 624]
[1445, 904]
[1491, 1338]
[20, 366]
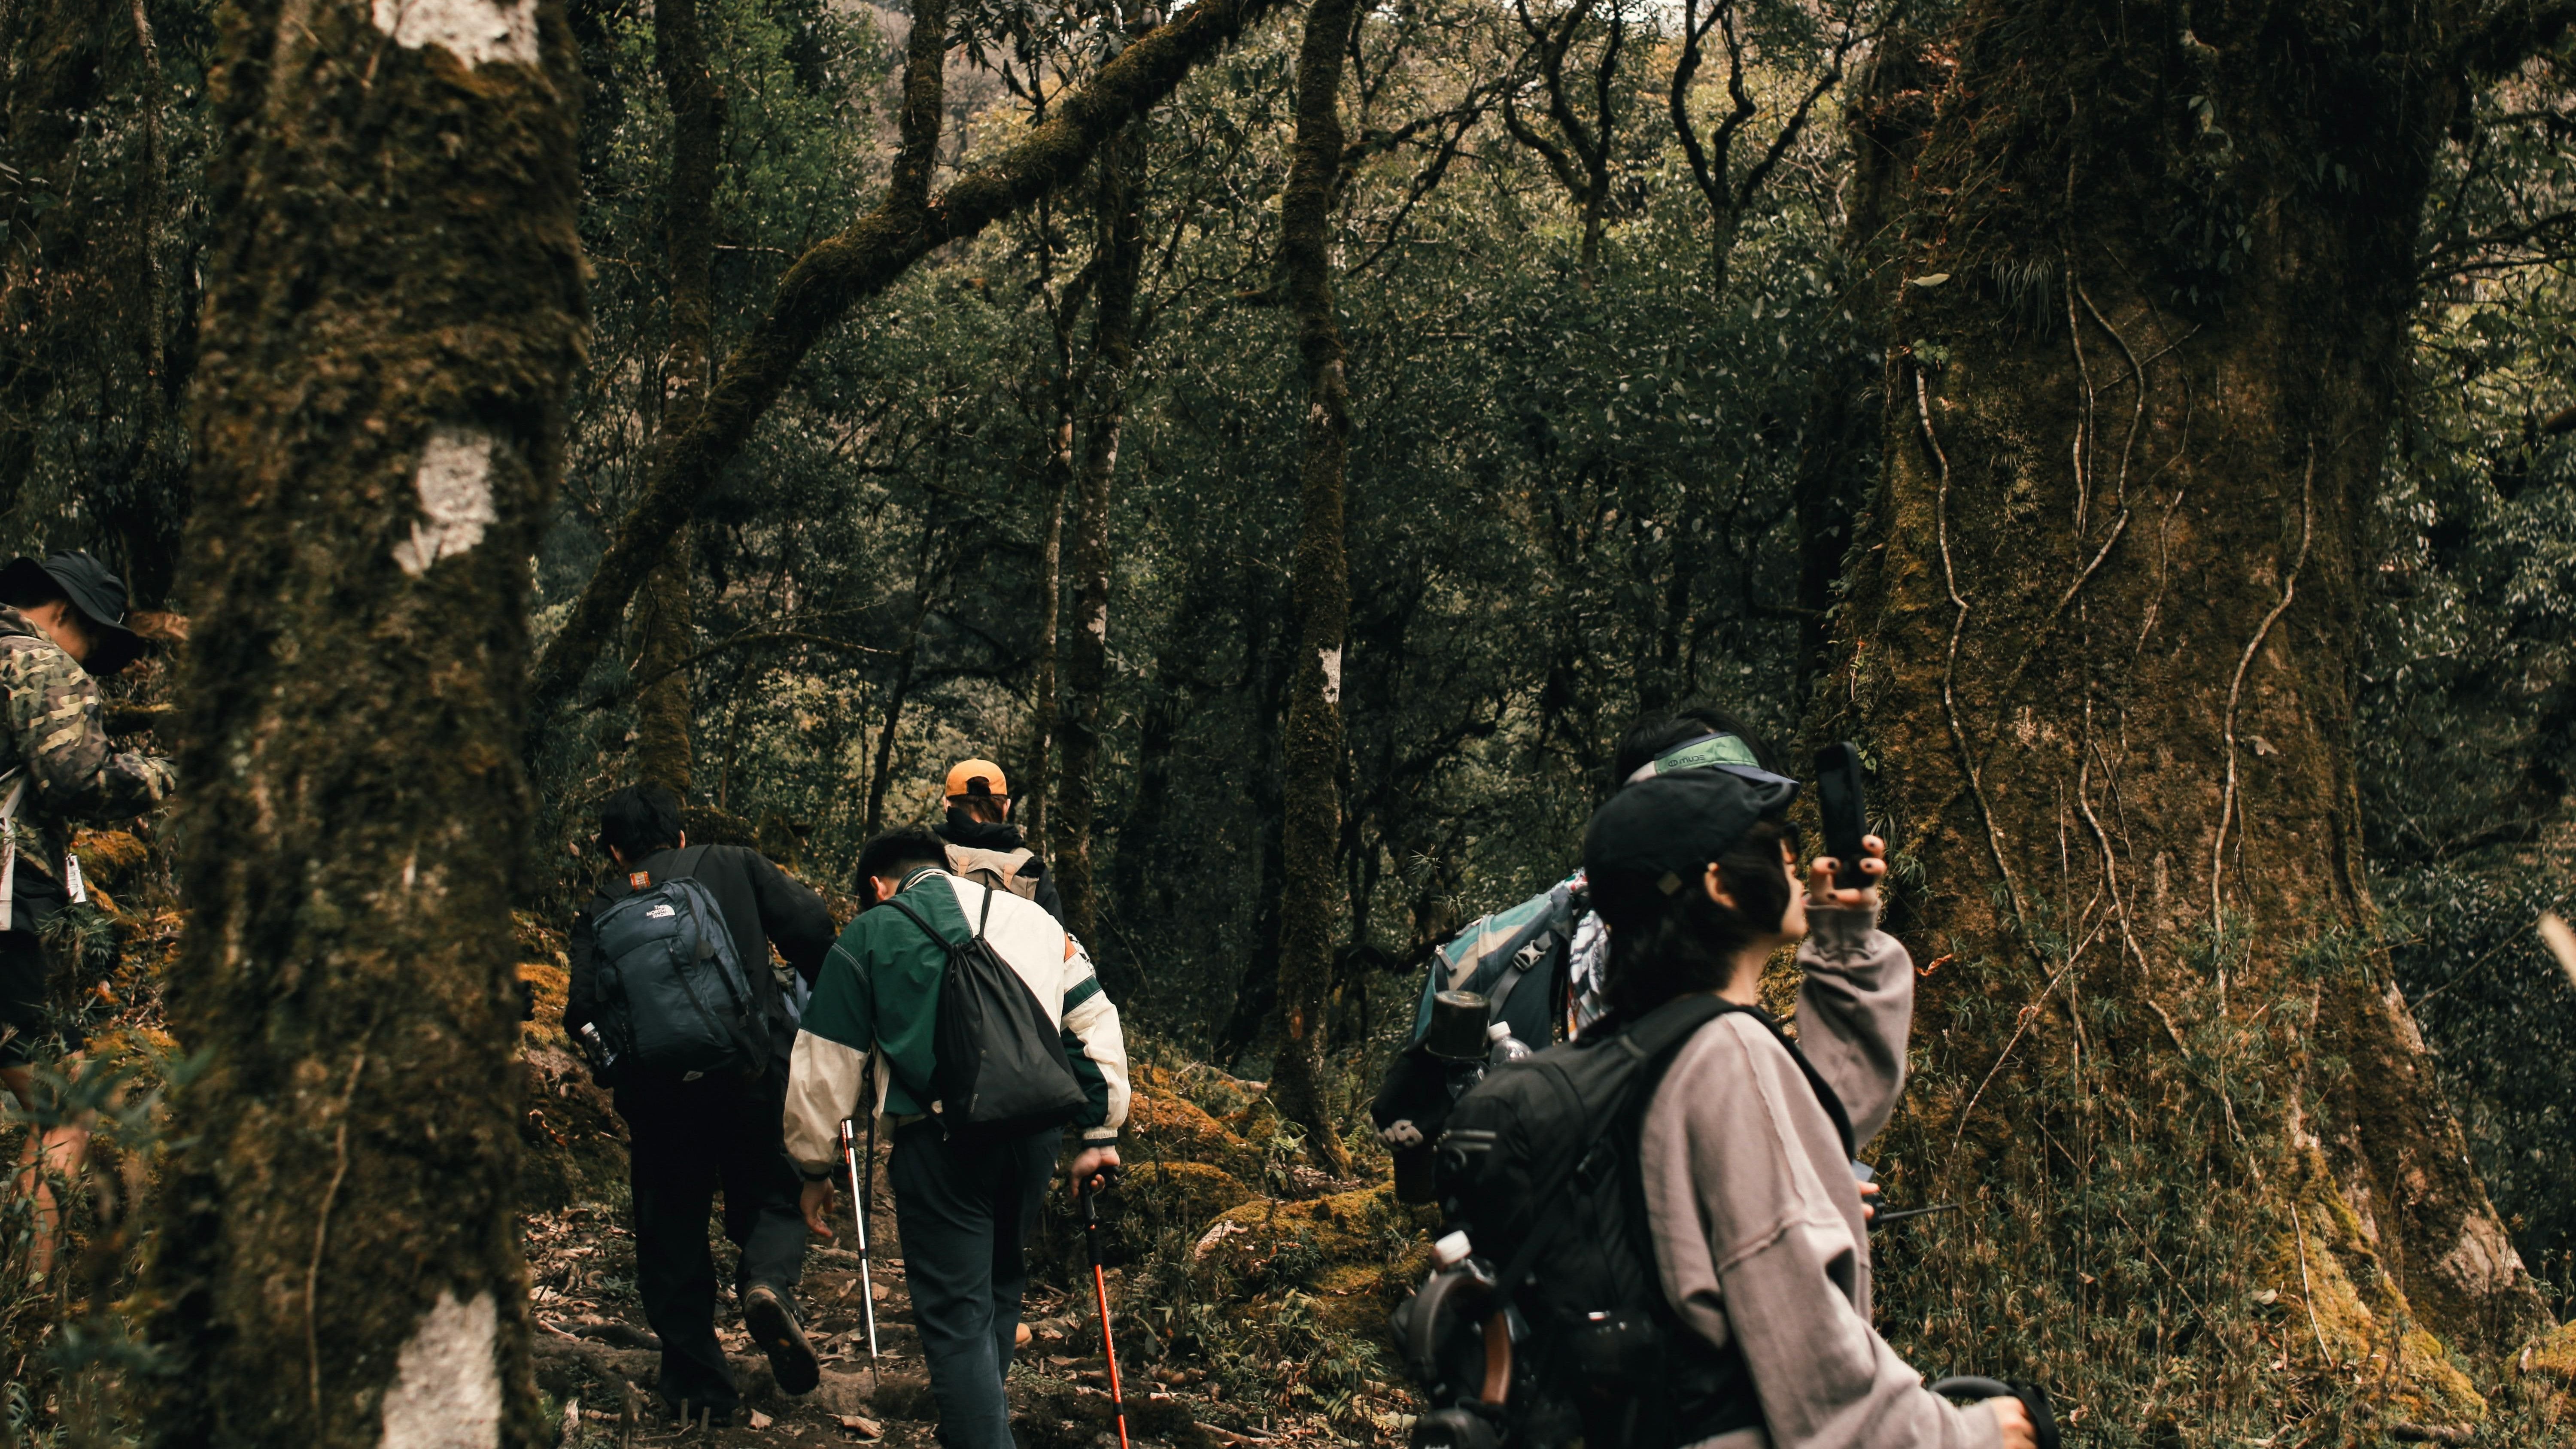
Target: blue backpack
[672, 997]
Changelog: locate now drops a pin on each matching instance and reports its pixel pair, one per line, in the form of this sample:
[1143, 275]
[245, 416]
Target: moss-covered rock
[110, 857]
[1184, 1196]
[1354, 1254]
[1163, 1125]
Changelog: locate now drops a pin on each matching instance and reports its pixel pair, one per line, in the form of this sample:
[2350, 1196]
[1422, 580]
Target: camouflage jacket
[58, 739]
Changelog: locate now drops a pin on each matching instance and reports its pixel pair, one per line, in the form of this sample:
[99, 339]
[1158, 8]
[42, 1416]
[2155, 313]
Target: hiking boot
[774, 1328]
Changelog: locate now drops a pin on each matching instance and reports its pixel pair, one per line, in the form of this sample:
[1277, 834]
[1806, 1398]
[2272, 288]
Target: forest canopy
[1297, 443]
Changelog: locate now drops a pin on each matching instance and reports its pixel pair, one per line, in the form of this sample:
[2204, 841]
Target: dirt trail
[597, 1356]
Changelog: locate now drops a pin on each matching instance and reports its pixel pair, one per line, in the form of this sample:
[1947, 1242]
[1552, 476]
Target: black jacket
[963, 829]
[761, 907]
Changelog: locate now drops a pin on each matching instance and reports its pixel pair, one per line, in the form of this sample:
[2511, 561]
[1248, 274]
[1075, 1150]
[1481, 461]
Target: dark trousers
[965, 1213]
[688, 1139]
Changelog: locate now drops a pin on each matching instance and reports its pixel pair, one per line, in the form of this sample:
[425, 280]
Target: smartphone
[1844, 804]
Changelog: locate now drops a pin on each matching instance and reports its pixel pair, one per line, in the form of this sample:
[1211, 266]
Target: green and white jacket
[878, 999]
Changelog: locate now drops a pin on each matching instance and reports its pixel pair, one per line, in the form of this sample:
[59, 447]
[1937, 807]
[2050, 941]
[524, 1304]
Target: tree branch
[845, 270]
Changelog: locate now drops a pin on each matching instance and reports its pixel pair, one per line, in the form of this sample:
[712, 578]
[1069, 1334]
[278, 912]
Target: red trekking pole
[1100, 1286]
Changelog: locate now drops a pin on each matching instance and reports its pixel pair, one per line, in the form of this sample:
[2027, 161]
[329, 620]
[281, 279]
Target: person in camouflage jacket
[62, 622]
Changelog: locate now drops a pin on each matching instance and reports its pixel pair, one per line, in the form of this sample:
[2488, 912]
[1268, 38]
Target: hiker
[1755, 1218]
[982, 841]
[1695, 735]
[690, 1134]
[1542, 965]
[62, 626]
[965, 1203]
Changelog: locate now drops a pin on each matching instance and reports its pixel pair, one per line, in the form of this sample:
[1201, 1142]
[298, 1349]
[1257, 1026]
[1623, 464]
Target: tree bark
[2103, 658]
[394, 313]
[1311, 830]
[853, 266]
[1120, 219]
[666, 640]
[664, 622]
[1037, 786]
[1062, 390]
[907, 663]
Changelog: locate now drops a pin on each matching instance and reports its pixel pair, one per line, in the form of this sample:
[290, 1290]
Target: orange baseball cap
[976, 777]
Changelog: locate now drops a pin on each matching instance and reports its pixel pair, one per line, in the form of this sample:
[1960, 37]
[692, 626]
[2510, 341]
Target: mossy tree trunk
[663, 619]
[1119, 222]
[1037, 777]
[1311, 827]
[393, 315]
[2157, 297]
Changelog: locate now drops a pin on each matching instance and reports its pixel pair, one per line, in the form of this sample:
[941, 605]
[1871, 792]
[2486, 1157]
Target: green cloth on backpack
[879, 987]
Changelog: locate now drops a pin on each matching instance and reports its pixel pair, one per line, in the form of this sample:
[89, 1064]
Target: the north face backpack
[998, 1067]
[1546, 1320]
[996, 869]
[672, 998]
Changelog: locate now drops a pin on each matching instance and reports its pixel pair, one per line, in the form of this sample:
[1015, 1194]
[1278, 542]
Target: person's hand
[1085, 1174]
[816, 1202]
[1831, 882]
[2012, 1424]
[1868, 1209]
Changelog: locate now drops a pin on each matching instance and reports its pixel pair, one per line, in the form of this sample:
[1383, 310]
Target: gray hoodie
[1757, 1222]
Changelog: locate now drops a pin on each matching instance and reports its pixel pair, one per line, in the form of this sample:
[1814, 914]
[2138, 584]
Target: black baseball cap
[93, 589]
[1676, 824]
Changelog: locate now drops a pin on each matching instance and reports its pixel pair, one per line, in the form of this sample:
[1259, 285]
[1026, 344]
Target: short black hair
[1659, 733]
[898, 851]
[639, 820]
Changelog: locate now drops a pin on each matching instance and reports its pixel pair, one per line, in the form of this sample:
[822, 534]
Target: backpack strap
[923, 922]
[1653, 1040]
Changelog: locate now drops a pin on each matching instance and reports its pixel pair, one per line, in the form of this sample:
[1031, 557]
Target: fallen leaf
[864, 1428]
[759, 1420]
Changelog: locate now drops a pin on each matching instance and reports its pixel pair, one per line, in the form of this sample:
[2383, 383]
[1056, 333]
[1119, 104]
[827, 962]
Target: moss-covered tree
[1119, 256]
[1310, 904]
[394, 311]
[666, 636]
[2156, 299]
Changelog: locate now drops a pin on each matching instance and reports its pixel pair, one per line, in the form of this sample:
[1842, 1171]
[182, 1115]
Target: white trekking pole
[859, 1212]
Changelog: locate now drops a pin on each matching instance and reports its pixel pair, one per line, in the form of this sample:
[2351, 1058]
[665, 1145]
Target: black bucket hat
[93, 589]
[1676, 824]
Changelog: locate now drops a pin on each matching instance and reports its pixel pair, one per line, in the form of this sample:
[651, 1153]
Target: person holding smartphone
[1756, 1221]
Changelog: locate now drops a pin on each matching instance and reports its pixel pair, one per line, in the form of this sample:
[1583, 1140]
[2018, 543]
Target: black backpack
[998, 1067]
[672, 998]
[1548, 1321]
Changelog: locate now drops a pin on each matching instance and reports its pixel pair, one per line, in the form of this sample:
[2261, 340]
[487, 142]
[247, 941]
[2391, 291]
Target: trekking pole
[1100, 1286]
[859, 1211]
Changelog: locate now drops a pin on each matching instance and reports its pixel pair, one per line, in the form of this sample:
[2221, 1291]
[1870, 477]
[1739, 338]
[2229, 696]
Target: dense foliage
[1605, 411]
